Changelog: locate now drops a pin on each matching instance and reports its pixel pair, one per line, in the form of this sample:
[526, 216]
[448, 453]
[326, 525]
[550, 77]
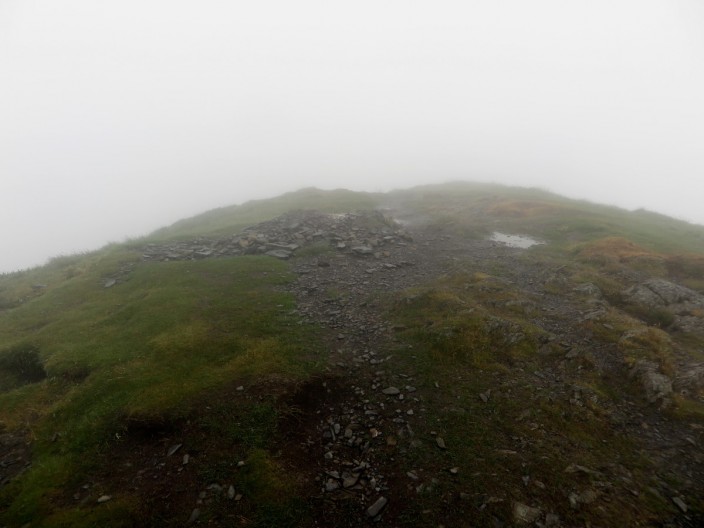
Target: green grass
[83, 367]
[142, 350]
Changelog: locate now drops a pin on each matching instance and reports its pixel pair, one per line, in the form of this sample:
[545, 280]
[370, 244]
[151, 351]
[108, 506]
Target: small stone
[391, 391]
[231, 492]
[454, 470]
[238, 497]
[331, 485]
[350, 481]
[104, 498]
[588, 496]
[240, 463]
[524, 514]
[485, 395]
[194, 516]
[552, 520]
[680, 504]
[373, 432]
[186, 459]
[391, 441]
[173, 449]
[440, 442]
[376, 508]
[279, 254]
[240, 388]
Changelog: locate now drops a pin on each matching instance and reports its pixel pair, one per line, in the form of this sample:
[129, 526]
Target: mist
[117, 118]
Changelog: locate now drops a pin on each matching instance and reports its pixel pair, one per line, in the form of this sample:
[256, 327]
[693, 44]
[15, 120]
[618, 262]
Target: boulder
[657, 386]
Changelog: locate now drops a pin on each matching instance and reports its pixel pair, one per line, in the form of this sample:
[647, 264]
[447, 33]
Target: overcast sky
[119, 117]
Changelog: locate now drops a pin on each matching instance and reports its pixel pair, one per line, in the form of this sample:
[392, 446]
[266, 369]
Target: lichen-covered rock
[659, 292]
[657, 386]
[683, 305]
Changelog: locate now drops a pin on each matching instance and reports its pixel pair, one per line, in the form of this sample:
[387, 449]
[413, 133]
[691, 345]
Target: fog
[117, 118]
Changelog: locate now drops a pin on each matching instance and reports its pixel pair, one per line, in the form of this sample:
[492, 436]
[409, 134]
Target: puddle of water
[515, 241]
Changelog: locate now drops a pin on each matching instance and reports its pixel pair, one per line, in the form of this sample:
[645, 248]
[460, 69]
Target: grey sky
[119, 117]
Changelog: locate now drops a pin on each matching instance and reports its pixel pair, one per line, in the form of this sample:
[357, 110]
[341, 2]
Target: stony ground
[353, 445]
[370, 416]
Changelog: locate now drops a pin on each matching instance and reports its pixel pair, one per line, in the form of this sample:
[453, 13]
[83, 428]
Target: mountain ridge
[397, 367]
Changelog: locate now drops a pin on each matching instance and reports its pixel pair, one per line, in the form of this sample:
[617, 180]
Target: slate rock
[376, 508]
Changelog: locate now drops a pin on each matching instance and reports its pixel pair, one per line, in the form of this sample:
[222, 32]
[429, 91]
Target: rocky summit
[389, 366]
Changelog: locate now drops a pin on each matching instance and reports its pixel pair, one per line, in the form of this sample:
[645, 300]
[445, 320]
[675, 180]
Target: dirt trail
[365, 418]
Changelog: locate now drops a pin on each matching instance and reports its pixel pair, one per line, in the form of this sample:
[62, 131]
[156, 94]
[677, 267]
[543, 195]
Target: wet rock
[350, 481]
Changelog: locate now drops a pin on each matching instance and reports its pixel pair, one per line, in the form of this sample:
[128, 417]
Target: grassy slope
[143, 350]
[167, 334]
[480, 208]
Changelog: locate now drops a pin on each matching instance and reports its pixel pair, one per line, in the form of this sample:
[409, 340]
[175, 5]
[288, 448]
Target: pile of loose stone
[364, 233]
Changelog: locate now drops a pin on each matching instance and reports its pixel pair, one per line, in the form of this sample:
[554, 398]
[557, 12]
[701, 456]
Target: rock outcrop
[685, 305]
[361, 234]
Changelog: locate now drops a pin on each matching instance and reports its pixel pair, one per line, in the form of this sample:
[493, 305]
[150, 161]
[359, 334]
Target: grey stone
[104, 498]
[391, 391]
[172, 450]
[440, 442]
[657, 386]
[680, 504]
[194, 516]
[524, 514]
[279, 254]
[376, 508]
[363, 250]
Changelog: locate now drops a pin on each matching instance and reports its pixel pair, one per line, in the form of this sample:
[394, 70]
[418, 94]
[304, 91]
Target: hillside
[451, 355]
